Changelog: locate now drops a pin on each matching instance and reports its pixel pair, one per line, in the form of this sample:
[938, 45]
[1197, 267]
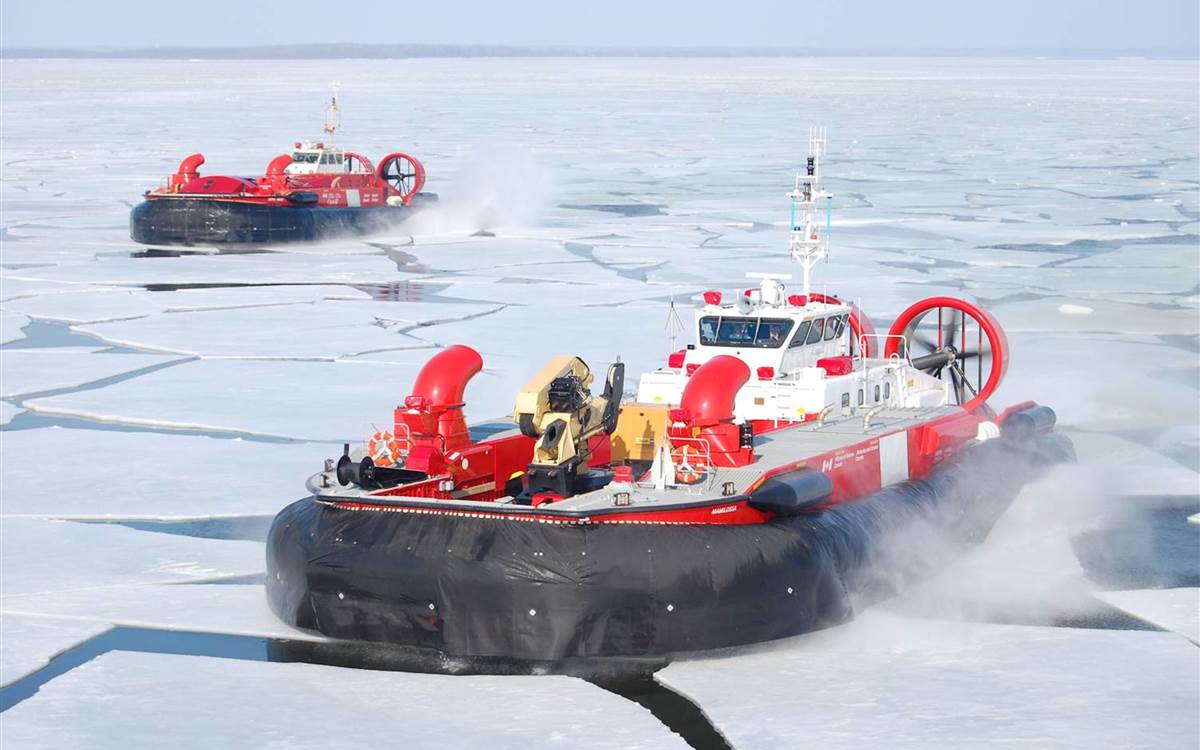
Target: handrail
[882, 339]
[824, 414]
[870, 415]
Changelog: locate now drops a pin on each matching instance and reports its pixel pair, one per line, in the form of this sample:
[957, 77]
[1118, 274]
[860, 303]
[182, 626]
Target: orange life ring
[689, 473]
[384, 449]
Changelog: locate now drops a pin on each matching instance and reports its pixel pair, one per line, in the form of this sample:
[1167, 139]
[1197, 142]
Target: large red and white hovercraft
[754, 488]
[316, 191]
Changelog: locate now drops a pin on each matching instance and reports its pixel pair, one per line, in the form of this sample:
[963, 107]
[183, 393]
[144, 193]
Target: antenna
[332, 120]
[807, 246]
[674, 325]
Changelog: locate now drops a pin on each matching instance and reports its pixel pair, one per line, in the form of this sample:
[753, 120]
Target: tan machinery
[558, 409]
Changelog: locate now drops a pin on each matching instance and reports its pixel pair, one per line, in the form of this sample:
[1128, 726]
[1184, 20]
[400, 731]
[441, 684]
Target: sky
[1151, 25]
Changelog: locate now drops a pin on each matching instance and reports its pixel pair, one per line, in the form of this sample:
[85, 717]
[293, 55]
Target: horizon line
[350, 50]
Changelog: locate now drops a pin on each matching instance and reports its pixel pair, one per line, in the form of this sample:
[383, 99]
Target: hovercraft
[756, 487]
[314, 192]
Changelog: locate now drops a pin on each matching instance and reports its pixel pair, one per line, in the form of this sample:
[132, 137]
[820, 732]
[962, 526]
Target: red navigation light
[675, 360]
[766, 373]
[680, 415]
[712, 297]
[747, 293]
[298, 144]
[414, 401]
[692, 368]
[797, 300]
[320, 145]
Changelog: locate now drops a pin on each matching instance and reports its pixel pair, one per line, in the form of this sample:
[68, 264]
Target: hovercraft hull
[192, 221]
[480, 587]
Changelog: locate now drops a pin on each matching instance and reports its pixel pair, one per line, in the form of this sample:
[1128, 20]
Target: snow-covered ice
[133, 474]
[26, 371]
[31, 641]
[907, 683]
[202, 702]
[43, 557]
[237, 609]
[1177, 610]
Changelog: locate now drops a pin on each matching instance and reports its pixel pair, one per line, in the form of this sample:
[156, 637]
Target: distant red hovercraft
[315, 192]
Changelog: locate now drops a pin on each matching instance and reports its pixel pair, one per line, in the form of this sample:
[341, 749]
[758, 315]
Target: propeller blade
[951, 331]
[924, 341]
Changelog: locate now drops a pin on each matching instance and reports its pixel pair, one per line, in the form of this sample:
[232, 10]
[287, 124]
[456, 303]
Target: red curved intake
[189, 169]
[438, 393]
[278, 164]
[190, 166]
[710, 392]
[443, 380]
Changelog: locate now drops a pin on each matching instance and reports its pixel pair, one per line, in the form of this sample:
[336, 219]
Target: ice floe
[1177, 610]
[138, 474]
[25, 371]
[44, 556]
[891, 681]
[202, 701]
[31, 641]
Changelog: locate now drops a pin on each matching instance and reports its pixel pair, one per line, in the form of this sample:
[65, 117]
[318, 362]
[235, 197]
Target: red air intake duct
[707, 403]
[435, 406]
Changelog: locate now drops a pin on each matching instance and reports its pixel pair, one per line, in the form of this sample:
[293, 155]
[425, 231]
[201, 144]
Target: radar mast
[808, 245]
[332, 120]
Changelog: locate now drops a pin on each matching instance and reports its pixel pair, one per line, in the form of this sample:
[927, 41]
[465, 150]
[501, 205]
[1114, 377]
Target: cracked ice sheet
[350, 398]
[237, 609]
[1086, 315]
[1057, 369]
[278, 267]
[99, 305]
[11, 325]
[888, 681]
[1132, 468]
[255, 478]
[318, 330]
[564, 294]
[24, 371]
[8, 411]
[30, 641]
[1177, 610]
[203, 702]
[43, 557]
[320, 401]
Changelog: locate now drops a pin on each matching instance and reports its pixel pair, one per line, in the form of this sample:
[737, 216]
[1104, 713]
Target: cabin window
[297, 157]
[339, 158]
[324, 159]
[817, 331]
[311, 158]
[845, 400]
[887, 389]
[840, 325]
[801, 335]
[834, 328]
[861, 397]
[877, 393]
[759, 333]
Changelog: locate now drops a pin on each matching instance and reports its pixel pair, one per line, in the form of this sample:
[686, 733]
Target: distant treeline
[400, 51]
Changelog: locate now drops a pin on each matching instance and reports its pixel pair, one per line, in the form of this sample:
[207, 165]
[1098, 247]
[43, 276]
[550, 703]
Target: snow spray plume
[497, 188]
